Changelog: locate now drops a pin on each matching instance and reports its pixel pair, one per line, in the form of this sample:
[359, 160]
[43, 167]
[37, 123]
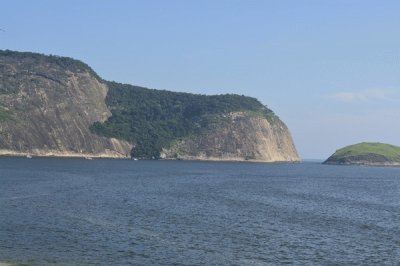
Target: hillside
[153, 119]
[365, 153]
[52, 105]
[48, 103]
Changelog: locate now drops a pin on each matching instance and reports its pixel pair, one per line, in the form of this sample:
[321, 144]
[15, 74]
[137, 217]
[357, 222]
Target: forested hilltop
[152, 119]
[58, 106]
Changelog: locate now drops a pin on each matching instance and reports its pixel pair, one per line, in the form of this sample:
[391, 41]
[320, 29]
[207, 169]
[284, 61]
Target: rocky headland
[58, 106]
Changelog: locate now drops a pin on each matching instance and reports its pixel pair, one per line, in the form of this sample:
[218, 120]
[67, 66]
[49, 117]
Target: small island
[366, 153]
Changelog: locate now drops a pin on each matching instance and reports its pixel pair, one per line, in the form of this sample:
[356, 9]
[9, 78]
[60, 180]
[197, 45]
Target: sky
[329, 69]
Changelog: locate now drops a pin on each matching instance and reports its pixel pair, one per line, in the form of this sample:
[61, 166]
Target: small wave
[11, 264]
[23, 197]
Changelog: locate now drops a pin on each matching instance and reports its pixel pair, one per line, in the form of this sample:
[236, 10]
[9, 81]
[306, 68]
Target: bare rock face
[46, 108]
[238, 136]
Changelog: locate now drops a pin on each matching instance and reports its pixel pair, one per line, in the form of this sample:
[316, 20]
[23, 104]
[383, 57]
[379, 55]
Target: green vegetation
[5, 115]
[152, 119]
[37, 64]
[66, 63]
[373, 152]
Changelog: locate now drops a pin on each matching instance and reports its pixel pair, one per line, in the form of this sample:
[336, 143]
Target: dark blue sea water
[122, 212]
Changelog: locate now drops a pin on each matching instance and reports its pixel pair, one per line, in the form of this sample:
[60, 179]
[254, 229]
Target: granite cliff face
[57, 106]
[238, 136]
[47, 108]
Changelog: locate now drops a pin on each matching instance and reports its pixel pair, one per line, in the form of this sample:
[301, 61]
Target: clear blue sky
[329, 69]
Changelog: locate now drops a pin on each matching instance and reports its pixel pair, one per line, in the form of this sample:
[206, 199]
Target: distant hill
[378, 154]
[58, 106]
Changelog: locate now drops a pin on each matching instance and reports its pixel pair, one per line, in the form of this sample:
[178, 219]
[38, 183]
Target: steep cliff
[47, 105]
[237, 136]
[57, 106]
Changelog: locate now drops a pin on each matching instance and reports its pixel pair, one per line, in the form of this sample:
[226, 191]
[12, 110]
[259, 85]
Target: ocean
[124, 212]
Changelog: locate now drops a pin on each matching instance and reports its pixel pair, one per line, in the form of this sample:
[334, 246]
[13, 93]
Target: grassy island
[367, 153]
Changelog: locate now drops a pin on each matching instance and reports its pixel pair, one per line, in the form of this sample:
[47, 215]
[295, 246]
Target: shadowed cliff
[47, 105]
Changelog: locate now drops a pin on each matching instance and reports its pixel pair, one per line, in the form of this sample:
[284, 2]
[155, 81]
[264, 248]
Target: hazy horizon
[328, 69]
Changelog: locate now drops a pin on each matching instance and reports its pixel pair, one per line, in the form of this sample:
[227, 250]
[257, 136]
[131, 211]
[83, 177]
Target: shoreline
[59, 154]
[364, 164]
[232, 160]
[114, 155]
